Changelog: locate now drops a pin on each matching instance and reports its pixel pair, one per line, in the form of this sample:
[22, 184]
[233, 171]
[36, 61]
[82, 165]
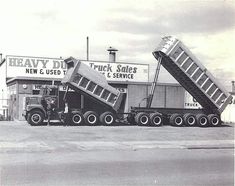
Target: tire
[91, 118]
[107, 118]
[77, 118]
[214, 120]
[142, 119]
[156, 119]
[176, 120]
[202, 120]
[189, 119]
[35, 118]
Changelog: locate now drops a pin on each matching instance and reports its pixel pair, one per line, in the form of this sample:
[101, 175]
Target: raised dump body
[192, 75]
[82, 78]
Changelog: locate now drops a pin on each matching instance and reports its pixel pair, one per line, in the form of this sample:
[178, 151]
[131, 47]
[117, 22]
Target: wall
[174, 97]
[3, 89]
[12, 97]
[159, 97]
[136, 94]
[228, 114]
[166, 95]
[24, 89]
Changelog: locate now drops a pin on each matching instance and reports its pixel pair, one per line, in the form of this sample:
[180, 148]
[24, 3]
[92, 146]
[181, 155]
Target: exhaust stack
[112, 54]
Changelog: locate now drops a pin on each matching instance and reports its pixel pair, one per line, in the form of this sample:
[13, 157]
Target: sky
[54, 28]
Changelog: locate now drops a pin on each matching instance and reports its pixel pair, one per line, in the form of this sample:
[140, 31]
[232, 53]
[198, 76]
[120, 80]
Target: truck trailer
[179, 61]
[174, 56]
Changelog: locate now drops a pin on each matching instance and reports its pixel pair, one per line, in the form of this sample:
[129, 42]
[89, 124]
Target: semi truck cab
[37, 107]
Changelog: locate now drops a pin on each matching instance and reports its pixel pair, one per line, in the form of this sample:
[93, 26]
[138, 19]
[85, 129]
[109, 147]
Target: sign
[35, 67]
[56, 68]
[190, 102]
[121, 71]
[61, 87]
[228, 113]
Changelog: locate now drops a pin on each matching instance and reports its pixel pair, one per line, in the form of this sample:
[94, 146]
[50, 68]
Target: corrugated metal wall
[135, 94]
[174, 97]
[166, 95]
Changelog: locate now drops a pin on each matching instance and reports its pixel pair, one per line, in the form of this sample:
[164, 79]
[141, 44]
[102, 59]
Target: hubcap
[144, 120]
[215, 121]
[203, 121]
[191, 120]
[157, 120]
[178, 120]
[108, 119]
[36, 118]
[77, 119]
[91, 119]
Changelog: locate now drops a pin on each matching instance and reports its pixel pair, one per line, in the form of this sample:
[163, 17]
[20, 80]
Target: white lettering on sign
[56, 69]
[121, 71]
[35, 67]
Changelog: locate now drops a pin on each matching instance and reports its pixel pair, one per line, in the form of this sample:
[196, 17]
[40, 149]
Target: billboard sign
[21, 66]
[121, 71]
[35, 67]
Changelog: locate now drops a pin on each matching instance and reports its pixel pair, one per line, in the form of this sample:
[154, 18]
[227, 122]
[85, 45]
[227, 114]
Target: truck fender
[31, 108]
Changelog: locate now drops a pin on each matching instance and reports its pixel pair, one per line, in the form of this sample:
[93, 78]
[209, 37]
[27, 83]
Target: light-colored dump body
[192, 75]
[82, 78]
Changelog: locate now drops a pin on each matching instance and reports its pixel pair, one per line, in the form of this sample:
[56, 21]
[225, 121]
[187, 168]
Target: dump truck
[179, 61]
[87, 81]
[176, 58]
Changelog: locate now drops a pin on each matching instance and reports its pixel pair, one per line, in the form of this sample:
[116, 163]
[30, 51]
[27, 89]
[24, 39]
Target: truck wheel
[91, 118]
[189, 119]
[202, 120]
[214, 120]
[176, 120]
[142, 119]
[156, 119]
[35, 118]
[107, 118]
[77, 118]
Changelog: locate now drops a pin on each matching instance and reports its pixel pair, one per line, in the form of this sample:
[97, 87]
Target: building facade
[25, 75]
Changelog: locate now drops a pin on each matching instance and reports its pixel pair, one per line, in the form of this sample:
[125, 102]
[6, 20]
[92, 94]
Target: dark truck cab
[38, 107]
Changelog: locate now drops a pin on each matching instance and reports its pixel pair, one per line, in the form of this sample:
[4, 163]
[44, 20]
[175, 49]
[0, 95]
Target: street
[120, 155]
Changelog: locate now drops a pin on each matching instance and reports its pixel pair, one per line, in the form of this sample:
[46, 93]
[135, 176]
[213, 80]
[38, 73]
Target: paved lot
[22, 135]
[118, 155]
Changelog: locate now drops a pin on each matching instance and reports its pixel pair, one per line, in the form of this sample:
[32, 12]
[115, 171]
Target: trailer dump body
[82, 78]
[192, 75]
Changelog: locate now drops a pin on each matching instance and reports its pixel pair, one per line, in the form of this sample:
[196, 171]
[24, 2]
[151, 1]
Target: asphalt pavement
[118, 155]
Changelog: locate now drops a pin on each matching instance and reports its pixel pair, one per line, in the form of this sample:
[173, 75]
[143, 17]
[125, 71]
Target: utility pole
[87, 48]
